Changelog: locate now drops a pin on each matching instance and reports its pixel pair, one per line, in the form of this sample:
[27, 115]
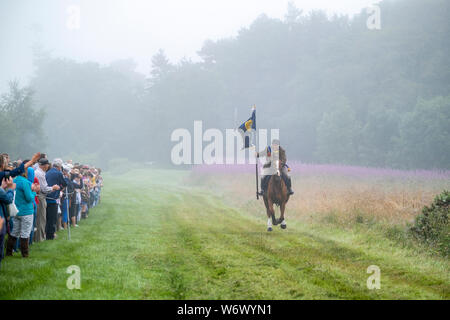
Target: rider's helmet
[275, 144]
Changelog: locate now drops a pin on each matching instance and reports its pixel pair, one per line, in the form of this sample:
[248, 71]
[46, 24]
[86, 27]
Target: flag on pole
[247, 128]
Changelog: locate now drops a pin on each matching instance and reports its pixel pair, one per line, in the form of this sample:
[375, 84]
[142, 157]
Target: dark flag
[246, 128]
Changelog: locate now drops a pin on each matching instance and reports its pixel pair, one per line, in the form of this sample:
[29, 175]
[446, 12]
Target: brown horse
[276, 193]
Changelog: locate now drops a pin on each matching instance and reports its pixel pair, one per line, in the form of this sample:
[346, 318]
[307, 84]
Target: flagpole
[256, 150]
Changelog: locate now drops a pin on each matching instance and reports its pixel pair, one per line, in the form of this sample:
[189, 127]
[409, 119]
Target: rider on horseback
[274, 153]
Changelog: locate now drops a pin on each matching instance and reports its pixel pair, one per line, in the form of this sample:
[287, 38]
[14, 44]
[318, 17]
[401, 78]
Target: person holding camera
[5, 174]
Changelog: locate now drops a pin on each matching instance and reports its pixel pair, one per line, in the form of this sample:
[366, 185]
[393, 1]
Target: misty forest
[338, 92]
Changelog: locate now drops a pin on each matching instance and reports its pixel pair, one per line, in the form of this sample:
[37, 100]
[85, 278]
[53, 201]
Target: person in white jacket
[41, 214]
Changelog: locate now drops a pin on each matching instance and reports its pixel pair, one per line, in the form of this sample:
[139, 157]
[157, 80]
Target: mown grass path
[159, 240]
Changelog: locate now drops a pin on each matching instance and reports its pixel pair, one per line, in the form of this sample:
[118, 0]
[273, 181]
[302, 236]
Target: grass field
[155, 236]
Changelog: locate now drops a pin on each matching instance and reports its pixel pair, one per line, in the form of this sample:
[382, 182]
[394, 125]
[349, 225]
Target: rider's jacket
[273, 154]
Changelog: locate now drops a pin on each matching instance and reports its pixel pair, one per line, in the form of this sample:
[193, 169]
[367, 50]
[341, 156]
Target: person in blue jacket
[54, 177]
[23, 221]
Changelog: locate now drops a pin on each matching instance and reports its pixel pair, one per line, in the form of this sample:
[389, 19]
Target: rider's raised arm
[263, 153]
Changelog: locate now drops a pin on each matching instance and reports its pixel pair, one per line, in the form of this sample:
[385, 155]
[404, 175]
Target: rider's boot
[263, 186]
[261, 193]
[289, 186]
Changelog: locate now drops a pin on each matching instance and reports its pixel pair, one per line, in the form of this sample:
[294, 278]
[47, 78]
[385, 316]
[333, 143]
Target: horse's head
[278, 164]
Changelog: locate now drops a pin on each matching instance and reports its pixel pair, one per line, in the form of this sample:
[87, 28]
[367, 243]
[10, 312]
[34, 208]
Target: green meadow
[154, 236]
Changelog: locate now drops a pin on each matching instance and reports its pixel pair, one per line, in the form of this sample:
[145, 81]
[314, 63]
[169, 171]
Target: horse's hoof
[283, 226]
[269, 229]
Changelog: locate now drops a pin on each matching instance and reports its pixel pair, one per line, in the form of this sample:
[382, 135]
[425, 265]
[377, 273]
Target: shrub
[431, 226]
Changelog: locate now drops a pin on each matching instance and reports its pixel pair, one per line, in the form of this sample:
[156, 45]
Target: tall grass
[343, 193]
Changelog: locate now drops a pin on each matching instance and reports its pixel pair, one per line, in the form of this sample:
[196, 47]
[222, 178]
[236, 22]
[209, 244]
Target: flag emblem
[248, 125]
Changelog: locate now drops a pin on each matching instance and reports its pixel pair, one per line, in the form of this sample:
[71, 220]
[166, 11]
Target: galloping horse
[276, 194]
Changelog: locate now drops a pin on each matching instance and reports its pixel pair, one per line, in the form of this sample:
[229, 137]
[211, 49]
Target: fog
[118, 29]
[340, 85]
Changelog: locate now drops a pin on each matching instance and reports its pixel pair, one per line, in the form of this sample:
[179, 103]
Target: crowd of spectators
[38, 198]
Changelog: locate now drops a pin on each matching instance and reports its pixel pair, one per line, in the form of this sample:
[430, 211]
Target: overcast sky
[119, 29]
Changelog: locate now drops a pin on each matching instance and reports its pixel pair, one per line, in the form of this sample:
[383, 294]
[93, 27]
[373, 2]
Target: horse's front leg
[281, 220]
[270, 214]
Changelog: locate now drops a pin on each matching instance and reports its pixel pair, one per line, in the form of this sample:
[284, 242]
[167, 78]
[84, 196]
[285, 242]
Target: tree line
[338, 92]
